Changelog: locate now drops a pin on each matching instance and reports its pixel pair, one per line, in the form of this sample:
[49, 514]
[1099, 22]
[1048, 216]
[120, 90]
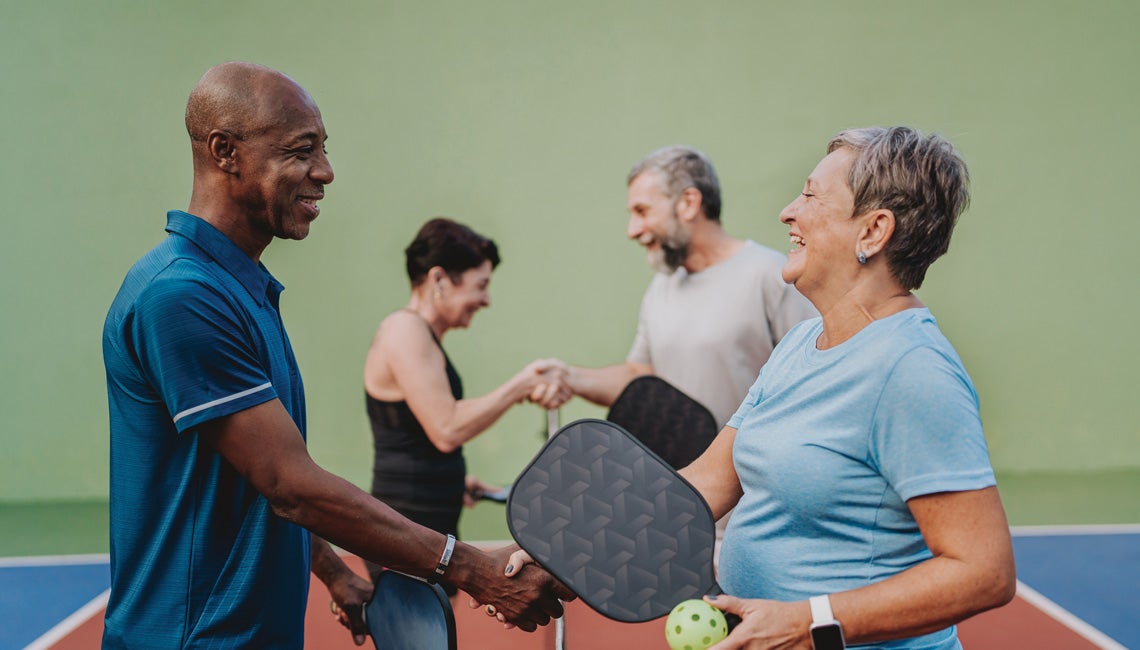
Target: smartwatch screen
[827, 637]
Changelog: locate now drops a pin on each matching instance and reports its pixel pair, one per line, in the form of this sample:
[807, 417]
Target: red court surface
[1017, 625]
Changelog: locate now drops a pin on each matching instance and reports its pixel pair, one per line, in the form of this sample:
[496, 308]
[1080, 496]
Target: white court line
[1076, 529]
[1062, 615]
[69, 624]
[54, 560]
[1031, 596]
[1067, 618]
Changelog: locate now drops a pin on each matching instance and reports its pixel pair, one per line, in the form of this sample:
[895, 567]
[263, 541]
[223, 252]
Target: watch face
[827, 637]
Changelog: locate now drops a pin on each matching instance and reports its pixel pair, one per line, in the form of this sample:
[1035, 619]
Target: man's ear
[689, 204]
[878, 227]
[222, 147]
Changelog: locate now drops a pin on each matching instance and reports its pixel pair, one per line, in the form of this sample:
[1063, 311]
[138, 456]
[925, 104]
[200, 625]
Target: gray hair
[681, 168]
[921, 179]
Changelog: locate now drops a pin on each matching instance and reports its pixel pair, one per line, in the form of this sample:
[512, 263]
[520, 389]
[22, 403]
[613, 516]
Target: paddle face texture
[675, 426]
[613, 522]
[406, 613]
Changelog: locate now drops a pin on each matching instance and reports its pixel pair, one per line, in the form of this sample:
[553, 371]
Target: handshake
[545, 382]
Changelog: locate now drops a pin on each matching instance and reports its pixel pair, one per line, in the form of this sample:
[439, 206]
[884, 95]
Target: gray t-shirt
[708, 333]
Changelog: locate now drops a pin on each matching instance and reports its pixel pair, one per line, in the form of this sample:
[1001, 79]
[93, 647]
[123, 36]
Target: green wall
[521, 118]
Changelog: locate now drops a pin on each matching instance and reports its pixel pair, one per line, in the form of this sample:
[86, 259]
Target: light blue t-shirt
[831, 443]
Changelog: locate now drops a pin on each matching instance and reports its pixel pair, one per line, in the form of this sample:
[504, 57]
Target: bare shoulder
[402, 343]
[403, 330]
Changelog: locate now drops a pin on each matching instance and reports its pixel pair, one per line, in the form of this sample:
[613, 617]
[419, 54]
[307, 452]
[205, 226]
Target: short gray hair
[921, 179]
[681, 168]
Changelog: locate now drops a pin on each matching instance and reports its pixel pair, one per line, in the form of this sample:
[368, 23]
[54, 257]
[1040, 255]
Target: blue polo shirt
[198, 559]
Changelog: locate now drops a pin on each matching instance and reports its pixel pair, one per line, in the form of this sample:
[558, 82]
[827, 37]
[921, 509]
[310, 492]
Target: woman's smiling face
[820, 226]
[467, 296]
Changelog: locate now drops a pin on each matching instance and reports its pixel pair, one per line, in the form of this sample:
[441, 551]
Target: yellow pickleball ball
[694, 625]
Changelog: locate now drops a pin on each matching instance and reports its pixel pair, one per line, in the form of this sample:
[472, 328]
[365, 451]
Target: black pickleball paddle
[673, 425]
[407, 613]
[614, 522]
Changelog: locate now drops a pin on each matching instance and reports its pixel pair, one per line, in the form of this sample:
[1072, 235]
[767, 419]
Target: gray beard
[668, 258]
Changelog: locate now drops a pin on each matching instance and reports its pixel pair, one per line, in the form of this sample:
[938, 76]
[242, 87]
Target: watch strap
[444, 560]
[821, 609]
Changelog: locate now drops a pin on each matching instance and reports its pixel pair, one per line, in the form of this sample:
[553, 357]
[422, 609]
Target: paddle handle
[552, 417]
[551, 423]
[732, 619]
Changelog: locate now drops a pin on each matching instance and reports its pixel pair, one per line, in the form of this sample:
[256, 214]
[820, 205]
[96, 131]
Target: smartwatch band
[821, 609]
[826, 632]
[444, 559]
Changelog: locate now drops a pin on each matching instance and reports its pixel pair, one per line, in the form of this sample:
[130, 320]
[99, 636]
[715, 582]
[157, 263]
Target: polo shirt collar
[252, 275]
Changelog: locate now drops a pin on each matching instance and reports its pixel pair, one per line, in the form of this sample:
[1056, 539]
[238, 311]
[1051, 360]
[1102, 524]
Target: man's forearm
[603, 385]
[264, 446]
[335, 510]
[326, 564]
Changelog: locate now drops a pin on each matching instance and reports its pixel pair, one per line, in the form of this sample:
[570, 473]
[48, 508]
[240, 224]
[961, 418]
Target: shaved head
[258, 146]
[240, 98]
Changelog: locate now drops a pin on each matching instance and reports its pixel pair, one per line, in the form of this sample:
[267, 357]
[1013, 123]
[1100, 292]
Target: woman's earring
[862, 257]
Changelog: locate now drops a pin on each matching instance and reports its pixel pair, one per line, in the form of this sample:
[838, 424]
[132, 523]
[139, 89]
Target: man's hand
[553, 388]
[349, 594]
[528, 599]
[515, 563]
[349, 591]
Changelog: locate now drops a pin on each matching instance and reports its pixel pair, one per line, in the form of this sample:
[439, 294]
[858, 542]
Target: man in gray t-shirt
[716, 307]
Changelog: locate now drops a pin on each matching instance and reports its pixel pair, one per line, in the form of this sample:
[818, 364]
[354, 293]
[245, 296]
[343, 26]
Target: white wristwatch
[444, 560]
[826, 632]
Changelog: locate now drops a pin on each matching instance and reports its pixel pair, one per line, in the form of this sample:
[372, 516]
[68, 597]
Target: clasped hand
[550, 383]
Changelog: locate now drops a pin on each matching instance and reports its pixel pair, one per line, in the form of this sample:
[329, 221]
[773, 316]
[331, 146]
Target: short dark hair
[681, 168]
[921, 179]
[449, 245]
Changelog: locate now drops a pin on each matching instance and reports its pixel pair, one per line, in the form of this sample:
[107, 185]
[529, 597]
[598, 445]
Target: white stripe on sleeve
[223, 400]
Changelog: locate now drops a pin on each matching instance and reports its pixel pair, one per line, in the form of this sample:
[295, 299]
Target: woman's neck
[849, 315]
[423, 307]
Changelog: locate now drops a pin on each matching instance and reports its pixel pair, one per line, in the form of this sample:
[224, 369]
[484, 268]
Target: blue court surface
[1086, 577]
[1091, 572]
[47, 596]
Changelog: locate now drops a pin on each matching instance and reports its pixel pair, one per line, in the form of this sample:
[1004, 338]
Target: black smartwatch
[826, 632]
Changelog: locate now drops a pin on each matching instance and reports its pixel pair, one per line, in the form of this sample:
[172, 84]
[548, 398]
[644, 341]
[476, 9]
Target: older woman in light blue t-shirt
[866, 506]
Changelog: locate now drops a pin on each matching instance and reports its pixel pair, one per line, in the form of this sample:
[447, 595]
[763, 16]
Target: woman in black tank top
[414, 396]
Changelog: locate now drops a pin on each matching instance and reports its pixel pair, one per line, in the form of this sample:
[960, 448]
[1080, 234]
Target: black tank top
[408, 472]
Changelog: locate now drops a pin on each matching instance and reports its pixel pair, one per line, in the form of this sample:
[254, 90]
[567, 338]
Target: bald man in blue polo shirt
[213, 493]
